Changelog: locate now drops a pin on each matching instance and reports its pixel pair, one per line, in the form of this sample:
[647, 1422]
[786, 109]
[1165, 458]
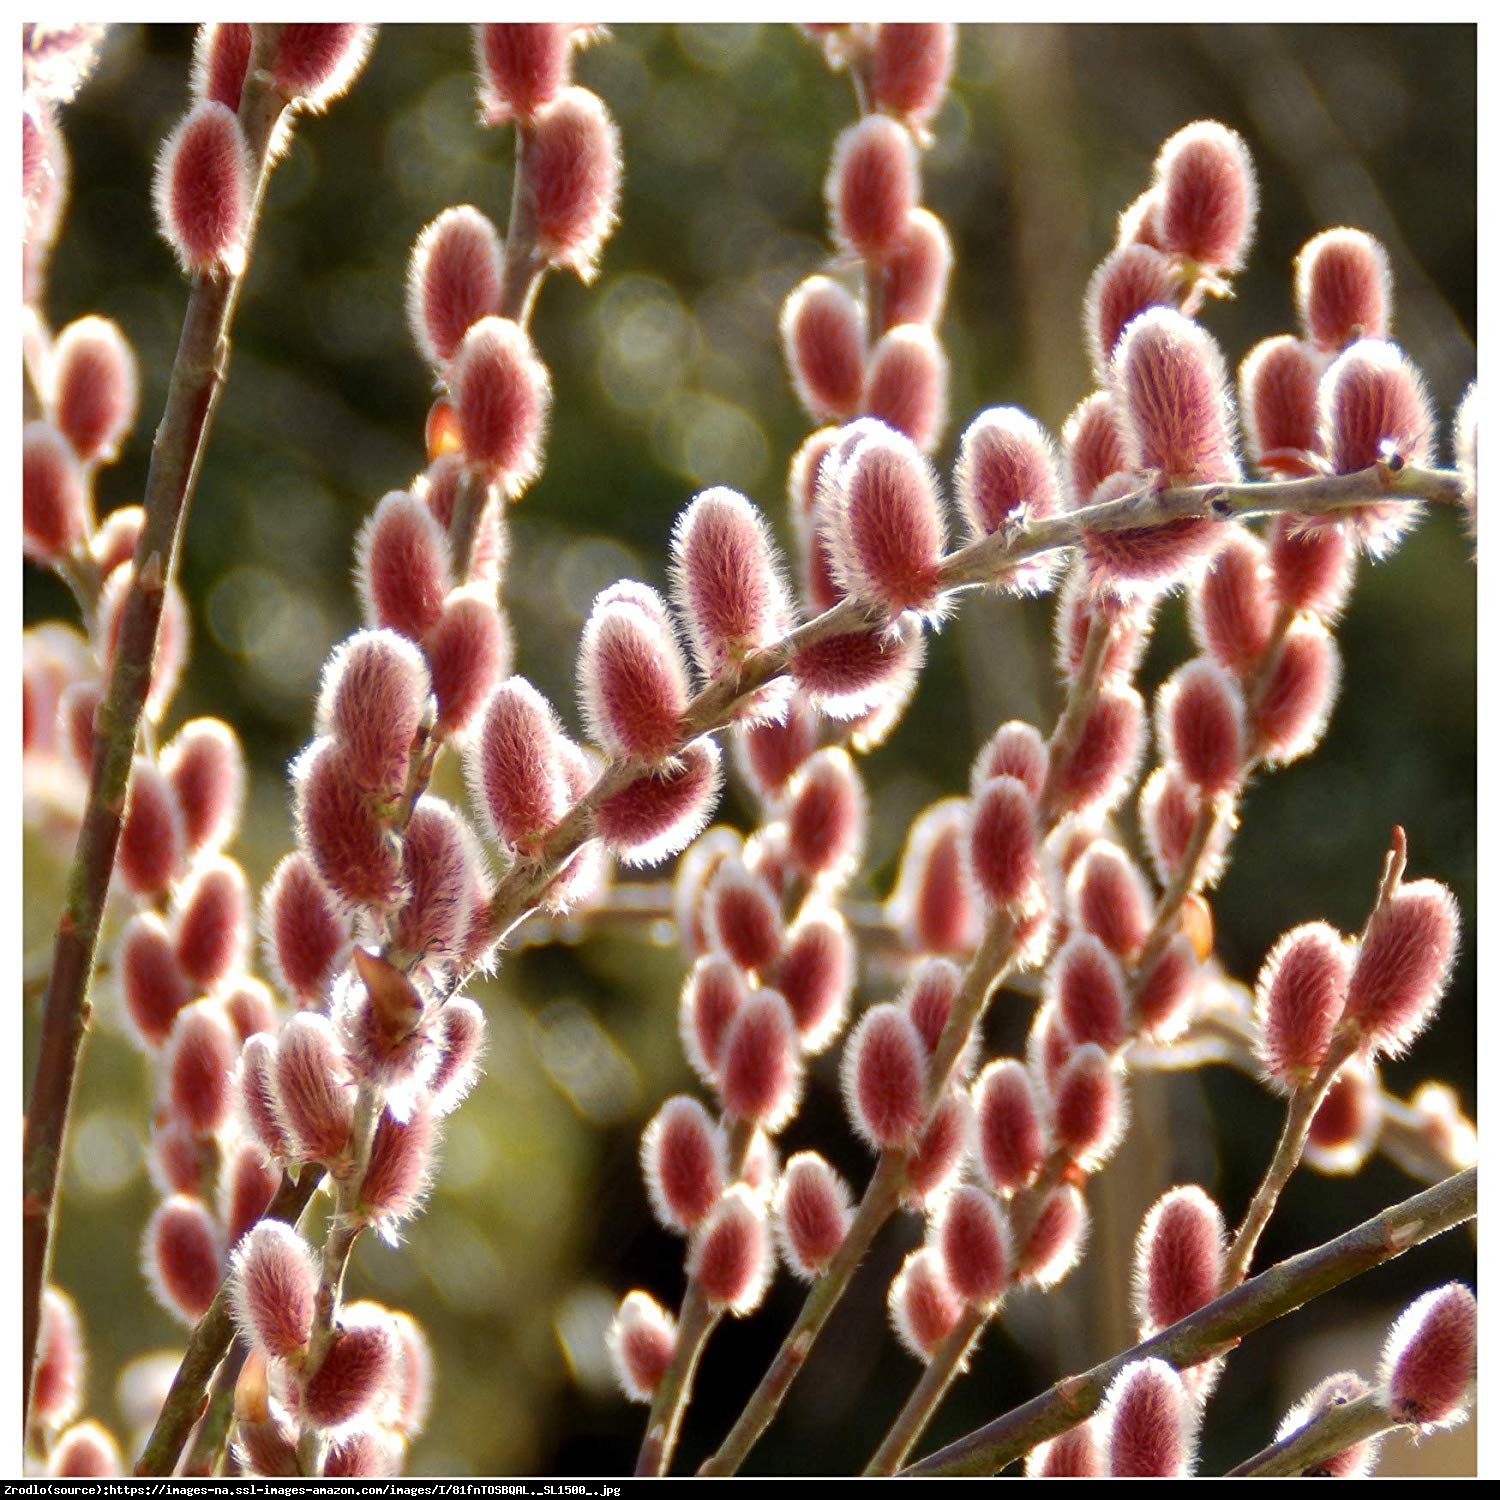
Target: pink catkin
[683, 1163]
[823, 336]
[1015, 749]
[1127, 282]
[927, 998]
[213, 922]
[502, 395]
[906, 384]
[1088, 1106]
[96, 386]
[884, 1073]
[259, 1096]
[816, 975]
[641, 1341]
[770, 753]
[872, 186]
[1149, 1420]
[340, 831]
[1201, 721]
[202, 190]
[458, 1037]
[1343, 288]
[221, 59]
[1005, 846]
[307, 941]
[315, 62]
[469, 652]
[1208, 195]
[354, 1372]
[1072, 1455]
[85, 1451]
[438, 853]
[573, 171]
[314, 1091]
[858, 672]
[183, 1254]
[206, 767]
[515, 766]
[914, 275]
[632, 679]
[1056, 1239]
[911, 64]
[1353, 1462]
[522, 66]
[1428, 1367]
[1297, 698]
[1088, 988]
[743, 917]
[1311, 567]
[1279, 406]
[1179, 1258]
[1108, 897]
[712, 995]
[152, 839]
[402, 566]
[201, 1053]
[1098, 772]
[940, 1151]
[400, 1170]
[972, 1238]
[57, 1374]
[812, 1213]
[731, 1256]
[1093, 440]
[1343, 1130]
[453, 280]
[933, 899]
[1231, 610]
[1299, 998]
[826, 816]
[924, 1307]
[272, 1288]
[152, 983]
[760, 1073]
[247, 1185]
[1010, 1143]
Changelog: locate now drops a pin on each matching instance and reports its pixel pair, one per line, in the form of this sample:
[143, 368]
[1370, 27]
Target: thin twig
[1328, 1434]
[212, 1432]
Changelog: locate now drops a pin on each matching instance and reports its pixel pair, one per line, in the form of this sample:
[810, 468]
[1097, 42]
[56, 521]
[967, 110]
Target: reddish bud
[1140, 222]
[573, 171]
[731, 1257]
[469, 652]
[1279, 405]
[247, 1184]
[1200, 715]
[860, 673]
[938, 1156]
[213, 923]
[402, 566]
[57, 1374]
[1129, 621]
[115, 540]
[932, 903]
[1208, 195]
[1089, 990]
[152, 984]
[458, 1034]
[178, 1159]
[1179, 1258]
[1343, 288]
[826, 816]
[202, 191]
[712, 995]
[256, 1088]
[171, 644]
[206, 768]
[339, 830]
[1071, 1455]
[1088, 1107]
[356, 1369]
[770, 753]
[1108, 897]
[400, 1169]
[914, 275]
[823, 337]
[1405, 957]
[973, 1239]
[1016, 749]
[515, 766]
[1354, 1462]
[1231, 610]
[1297, 699]
[813, 1211]
[221, 59]
[923, 1305]
[1344, 1129]
[85, 1451]
[183, 1254]
[1312, 567]
[95, 387]
[927, 998]
[314, 1092]
[1056, 1239]
[906, 385]
[641, 1342]
[522, 66]
[1005, 845]
[1009, 1134]
[816, 975]
[1102, 765]
[449, 478]
[315, 63]
[632, 679]
[54, 498]
[453, 280]
[201, 1054]
[682, 1159]
[502, 394]
[760, 1074]
[306, 940]
[884, 1074]
[1428, 1368]
[1094, 447]
[1164, 996]
[152, 840]
[1127, 282]
[273, 1283]
[1150, 1422]
[872, 186]
[742, 916]
[910, 66]
[1007, 473]
[1169, 810]
[439, 852]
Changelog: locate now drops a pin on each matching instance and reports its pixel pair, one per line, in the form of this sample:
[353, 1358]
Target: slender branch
[524, 267]
[213, 1431]
[1275, 1292]
[193, 391]
[1304, 1451]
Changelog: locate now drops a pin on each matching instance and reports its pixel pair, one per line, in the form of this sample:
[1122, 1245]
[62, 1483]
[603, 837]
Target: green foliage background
[668, 378]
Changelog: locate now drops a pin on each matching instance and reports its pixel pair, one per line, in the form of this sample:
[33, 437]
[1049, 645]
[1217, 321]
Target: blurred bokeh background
[668, 377]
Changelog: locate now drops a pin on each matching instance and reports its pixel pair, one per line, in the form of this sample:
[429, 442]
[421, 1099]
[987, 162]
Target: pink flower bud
[206, 766]
[1164, 996]
[247, 1184]
[770, 753]
[906, 385]
[1174, 399]
[682, 1159]
[85, 1451]
[1313, 567]
[367, 1452]
[742, 917]
[306, 941]
[884, 1075]
[1102, 765]
[202, 191]
[1071, 1455]
[939, 1154]
[972, 1237]
[1140, 222]
[1179, 1258]
[414, 1356]
[933, 903]
[201, 1054]
[1016, 749]
[1094, 446]
[910, 66]
[860, 672]
[1428, 1368]
[1005, 845]
[54, 497]
[1127, 282]
[458, 1036]
[641, 1341]
[439, 489]
[402, 566]
[1356, 1461]
[1231, 609]
[221, 59]
[1089, 990]
[115, 540]
[373, 698]
[314, 64]
[694, 871]
[632, 679]
[258, 1099]
[1345, 1127]
[515, 768]
[183, 1255]
[213, 923]
[731, 1256]
[761, 1167]
[1405, 958]
[502, 394]
[1169, 809]
[1088, 1107]
[1056, 1239]
[573, 171]
[823, 337]
[1108, 897]
[1208, 195]
[712, 995]
[152, 840]
[914, 275]
[338, 829]
[1048, 1048]
[178, 1159]
[872, 186]
[1279, 405]
[760, 1073]
[469, 652]
[927, 998]
[400, 1170]
[1129, 620]
[57, 1374]
[273, 1282]
[266, 1448]
[314, 1092]
[1009, 1132]
[94, 375]
[379, 1021]
[522, 66]
[1150, 1422]
[152, 984]
[725, 579]
[816, 976]
[355, 1372]
[439, 852]
[826, 816]
[1297, 698]
[1200, 715]
[885, 523]
[1007, 472]
[813, 1211]
[923, 1305]
[1343, 288]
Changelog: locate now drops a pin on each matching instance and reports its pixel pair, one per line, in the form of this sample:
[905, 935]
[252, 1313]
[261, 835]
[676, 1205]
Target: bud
[1356, 1461]
[816, 975]
[306, 941]
[58, 1372]
[115, 539]
[1405, 957]
[356, 1369]
[573, 173]
[379, 1021]
[1125, 284]
[1231, 611]
[54, 496]
[1297, 699]
[725, 579]
[1200, 717]
[682, 1159]
[177, 1160]
[884, 1076]
[468, 651]
[973, 1239]
[315, 64]
[910, 66]
[1108, 897]
[760, 1073]
[1169, 809]
[206, 767]
[213, 921]
[515, 768]
[860, 673]
[338, 829]
[1279, 405]
[255, 1083]
[1056, 1239]
[826, 817]
[439, 852]
[927, 998]
[1102, 765]
[813, 1211]
[95, 387]
[1313, 566]
[712, 995]
[1150, 1422]
[823, 337]
[939, 1155]
[1094, 449]
[85, 1451]
[502, 394]
[152, 841]
[201, 1054]
[1208, 196]
[202, 191]
[522, 66]
[742, 916]
[1005, 845]
[641, 1342]
[273, 1283]
[872, 186]
[402, 567]
[885, 523]
[1179, 1258]
[221, 59]
[1428, 1368]
[731, 1257]
[314, 1093]
[1343, 288]
[923, 1305]
[247, 1184]
[1016, 749]
[453, 280]
[1088, 1107]
[152, 985]
[932, 903]
[400, 1170]
[914, 275]
[457, 1035]
[183, 1254]
[1347, 1123]
[1089, 990]
[1007, 473]
[632, 679]
[1009, 1133]
[1164, 997]
[906, 385]
[1071, 1455]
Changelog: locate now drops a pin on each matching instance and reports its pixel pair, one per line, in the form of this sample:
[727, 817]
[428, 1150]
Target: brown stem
[193, 390]
[696, 1322]
[1275, 1292]
[524, 266]
[1304, 1451]
[212, 1432]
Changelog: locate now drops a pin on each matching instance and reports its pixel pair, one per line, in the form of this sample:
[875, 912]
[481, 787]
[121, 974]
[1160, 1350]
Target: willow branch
[1306, 1450]
[1280, 1290]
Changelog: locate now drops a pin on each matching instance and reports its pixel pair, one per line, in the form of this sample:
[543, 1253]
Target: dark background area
[668, 377]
